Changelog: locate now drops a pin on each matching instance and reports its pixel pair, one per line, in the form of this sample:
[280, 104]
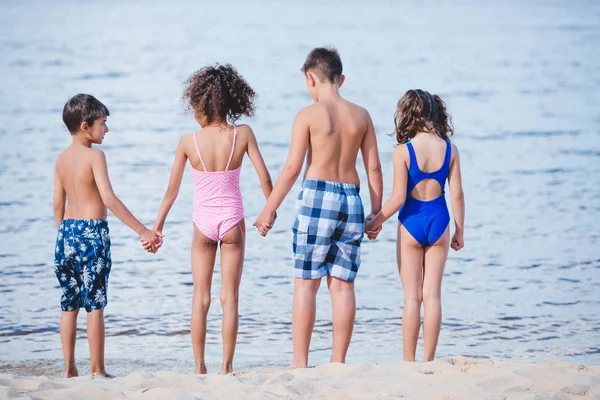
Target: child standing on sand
[82, 260]
[219, 97]
[423, 160]
[329, 227]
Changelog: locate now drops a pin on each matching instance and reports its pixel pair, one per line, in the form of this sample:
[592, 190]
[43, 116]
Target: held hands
[151, 240]
[370, 228]
[264, 222]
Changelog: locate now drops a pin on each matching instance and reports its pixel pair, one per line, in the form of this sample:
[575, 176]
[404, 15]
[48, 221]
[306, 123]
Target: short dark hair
[82, 108]
[325, 62]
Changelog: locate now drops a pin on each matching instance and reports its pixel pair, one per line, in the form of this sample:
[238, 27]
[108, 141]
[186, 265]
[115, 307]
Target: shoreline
[445, 378]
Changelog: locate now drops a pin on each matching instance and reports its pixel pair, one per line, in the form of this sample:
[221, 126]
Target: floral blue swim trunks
[82, 263]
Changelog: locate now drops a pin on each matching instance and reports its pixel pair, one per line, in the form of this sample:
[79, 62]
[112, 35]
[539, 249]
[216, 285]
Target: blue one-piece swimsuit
[426, 221]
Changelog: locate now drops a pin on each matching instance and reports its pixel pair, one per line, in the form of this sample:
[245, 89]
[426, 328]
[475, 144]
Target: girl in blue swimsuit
[423, 160]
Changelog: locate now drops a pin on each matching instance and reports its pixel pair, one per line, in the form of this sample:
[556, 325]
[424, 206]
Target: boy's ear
[84, 127]
[312, 79]
[342, 80]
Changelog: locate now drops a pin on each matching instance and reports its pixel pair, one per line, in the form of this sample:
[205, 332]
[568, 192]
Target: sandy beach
[448, 378]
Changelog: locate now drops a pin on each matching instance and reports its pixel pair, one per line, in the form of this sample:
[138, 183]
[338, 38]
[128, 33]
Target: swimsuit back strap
[198, 151]
[413, 156]
[232, 148]
[447, 157]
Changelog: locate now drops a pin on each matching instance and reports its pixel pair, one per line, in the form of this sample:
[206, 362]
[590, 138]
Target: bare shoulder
[186, 143]
[309, 111]
[59, 158]
[244, 131]
[96, 154]
[401, 152]
[454, 155]
[357, 110]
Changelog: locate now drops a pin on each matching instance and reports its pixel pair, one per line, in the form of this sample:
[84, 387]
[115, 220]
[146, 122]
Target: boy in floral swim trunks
[329, 227]
[82, 255]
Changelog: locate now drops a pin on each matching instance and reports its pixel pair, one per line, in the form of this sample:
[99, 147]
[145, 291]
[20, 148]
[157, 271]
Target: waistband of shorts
[328, 186]
[92, 223]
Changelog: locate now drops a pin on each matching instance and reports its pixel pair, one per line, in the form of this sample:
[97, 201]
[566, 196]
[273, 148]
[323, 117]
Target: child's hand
[151, 240]
[370, 228]
[264, 222]
[457, 241]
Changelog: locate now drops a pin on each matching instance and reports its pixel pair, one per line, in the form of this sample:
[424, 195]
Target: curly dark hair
[219, 93]
[420, 111]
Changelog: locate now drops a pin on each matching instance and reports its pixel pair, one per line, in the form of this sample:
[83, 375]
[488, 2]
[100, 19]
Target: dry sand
[449, 378]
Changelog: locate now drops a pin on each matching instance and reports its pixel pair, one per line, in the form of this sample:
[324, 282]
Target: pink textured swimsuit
[218, 203]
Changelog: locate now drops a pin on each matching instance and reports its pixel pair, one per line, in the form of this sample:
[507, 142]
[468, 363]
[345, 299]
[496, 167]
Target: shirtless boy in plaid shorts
[329, 227]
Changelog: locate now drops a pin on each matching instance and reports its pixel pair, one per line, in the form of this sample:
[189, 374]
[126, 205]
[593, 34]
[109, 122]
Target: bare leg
[68, 335]
[232, 262]
[343, 305]
[95, 332]
[204, 251]
[411, 275]
[435, 261]
[304, 310]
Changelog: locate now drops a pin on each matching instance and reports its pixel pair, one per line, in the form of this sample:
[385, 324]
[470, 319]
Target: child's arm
[174, 185]
[112, 202]
[59, 200]
[457, 200]
[289, 173]
[370, 156]
[398, 197]
[259, 165]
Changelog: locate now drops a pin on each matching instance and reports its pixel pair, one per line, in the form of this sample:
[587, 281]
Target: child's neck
[80, 140]
[328, 92]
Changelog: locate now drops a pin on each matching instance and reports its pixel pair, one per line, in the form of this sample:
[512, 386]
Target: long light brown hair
[420, 111]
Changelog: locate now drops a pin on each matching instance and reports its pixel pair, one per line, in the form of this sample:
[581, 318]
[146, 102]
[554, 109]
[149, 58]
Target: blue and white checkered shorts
[328, 230]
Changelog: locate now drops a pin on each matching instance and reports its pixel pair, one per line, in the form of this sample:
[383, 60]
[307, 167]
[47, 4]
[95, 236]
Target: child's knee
[307, 286]
[430, 297]
[202, 301]
[413, 298]
[340, 286]
[229, 298]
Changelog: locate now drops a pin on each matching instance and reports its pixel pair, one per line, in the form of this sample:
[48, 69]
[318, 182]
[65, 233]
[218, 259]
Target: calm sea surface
[521, 79]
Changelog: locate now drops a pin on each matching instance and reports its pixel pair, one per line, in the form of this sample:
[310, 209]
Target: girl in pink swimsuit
[218, 96]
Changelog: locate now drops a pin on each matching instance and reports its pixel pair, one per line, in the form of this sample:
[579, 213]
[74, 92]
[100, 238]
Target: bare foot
[71, 373]
[296, 366]
[201, 370]
[226, 370]
[102, 375]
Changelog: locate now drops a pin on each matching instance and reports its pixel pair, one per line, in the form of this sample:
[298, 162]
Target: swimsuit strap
[413, 157]
[446, 167]
[198, 151]
[442, 174]
[232, 148]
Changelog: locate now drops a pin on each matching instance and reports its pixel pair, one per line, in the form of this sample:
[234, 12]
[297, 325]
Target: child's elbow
[172, 193]
[375, 169]
[110, 201]
[397, 202]
[292, 170]
[266, 180]
[457, 195]
[58, 207]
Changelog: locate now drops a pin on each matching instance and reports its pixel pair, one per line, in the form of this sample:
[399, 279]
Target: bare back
[74, 169]
[336, 132]
[430, 152]
[214, 145]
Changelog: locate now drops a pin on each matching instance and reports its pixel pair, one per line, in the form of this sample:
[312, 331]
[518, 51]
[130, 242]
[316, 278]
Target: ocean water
[521, 79]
